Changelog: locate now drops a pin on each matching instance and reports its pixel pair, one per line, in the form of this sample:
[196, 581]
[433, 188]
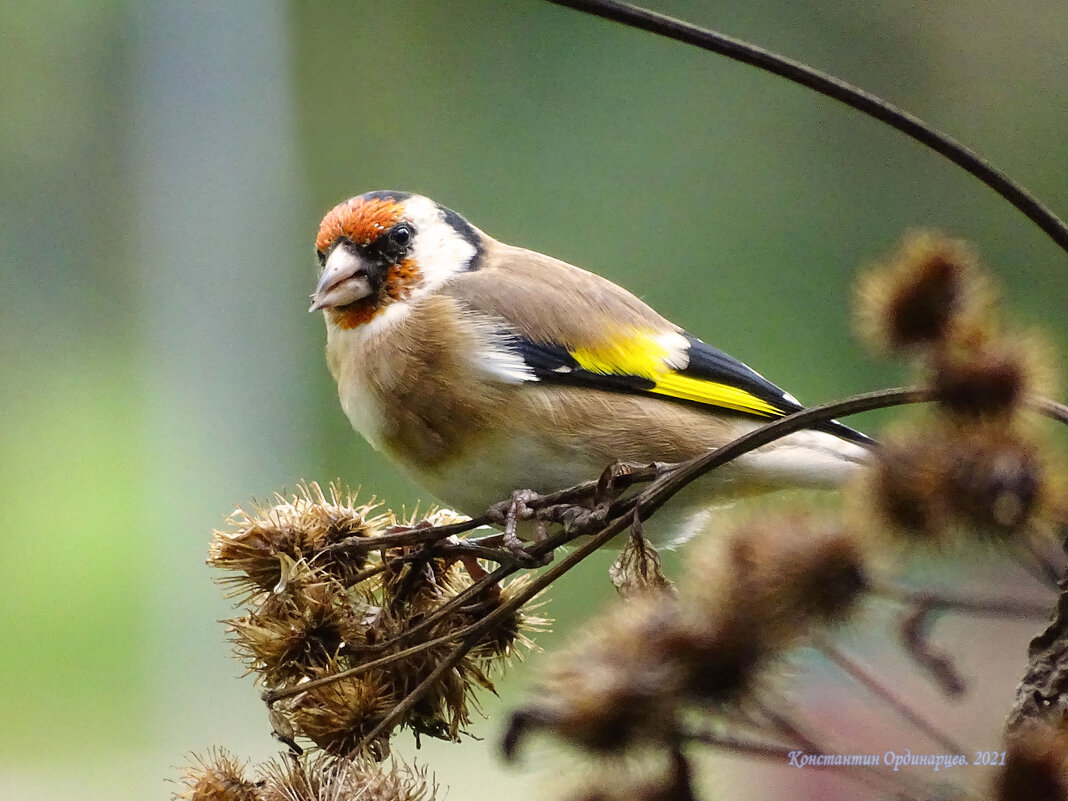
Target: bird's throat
[401, 280]
[353, 315]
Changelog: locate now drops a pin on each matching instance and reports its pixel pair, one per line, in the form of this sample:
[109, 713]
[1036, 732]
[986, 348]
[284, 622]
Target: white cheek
[439, 250]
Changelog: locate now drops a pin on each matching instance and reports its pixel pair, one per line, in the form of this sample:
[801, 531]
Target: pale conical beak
[344, 280]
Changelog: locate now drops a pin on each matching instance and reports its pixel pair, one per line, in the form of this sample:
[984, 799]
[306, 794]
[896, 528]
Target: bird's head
[380, 249]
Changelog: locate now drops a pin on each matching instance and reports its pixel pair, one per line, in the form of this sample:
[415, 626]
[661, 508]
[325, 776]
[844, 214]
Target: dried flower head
[672, 781]
[942, 481]
[977, 374]
[293, 635]
[330, 586]
[788, 571]
[920, 295]
[905, 487]
[217, 776]
[1036, 765]
[996, 480]
[624, 682]
[613, 688]
[300, 528]
[338, 716]
[322, 778]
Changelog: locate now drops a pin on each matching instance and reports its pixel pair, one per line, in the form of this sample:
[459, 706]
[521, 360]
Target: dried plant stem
[933, 601]
[415, 536]
[506, 569]
[866, 677]
[739, 745]
[363, 575]
[1039, 565]
[837, 89]
[487, 623]
[678, 476]
[1049, 408]
[786, 727]
[874, 776]
[288, 692]
[913, 630]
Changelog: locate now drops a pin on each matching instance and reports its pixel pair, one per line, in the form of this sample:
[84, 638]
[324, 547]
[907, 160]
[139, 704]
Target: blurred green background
[164, 167]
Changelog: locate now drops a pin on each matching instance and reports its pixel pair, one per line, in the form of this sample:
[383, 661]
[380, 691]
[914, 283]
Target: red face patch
[362, 220]
[400, 281]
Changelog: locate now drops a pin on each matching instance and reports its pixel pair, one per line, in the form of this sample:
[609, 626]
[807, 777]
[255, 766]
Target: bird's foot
[519, 509]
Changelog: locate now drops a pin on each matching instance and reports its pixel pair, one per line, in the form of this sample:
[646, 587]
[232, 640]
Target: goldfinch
[480, 369]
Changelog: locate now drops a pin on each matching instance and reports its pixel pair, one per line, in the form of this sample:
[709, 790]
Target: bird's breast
[413, 389]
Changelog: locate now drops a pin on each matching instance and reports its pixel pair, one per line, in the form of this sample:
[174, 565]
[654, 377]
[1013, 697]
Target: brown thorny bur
[219, 776]
[315, 608]
[745, 599]
[968, 471]
[974, 467]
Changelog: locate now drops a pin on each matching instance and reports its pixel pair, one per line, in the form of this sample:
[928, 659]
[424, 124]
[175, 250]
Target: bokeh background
[164, 167]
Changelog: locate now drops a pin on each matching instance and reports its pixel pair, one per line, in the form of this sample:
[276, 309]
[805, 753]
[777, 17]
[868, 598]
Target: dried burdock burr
[322, 778]
[258, 542]
[920, 295]
[943, 483]
[217, 776]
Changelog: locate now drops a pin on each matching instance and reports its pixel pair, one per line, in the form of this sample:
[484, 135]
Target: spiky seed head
[338, 716]
[217, 776]
[980, 374]
[996, 480]
[797, 567]
[609, 690]
[905, 488]
[945, 483]
[639, 782]
[294, 635]
[513, 635]
[784, 571]
[298, 527]
[323, 778]
[920, 294]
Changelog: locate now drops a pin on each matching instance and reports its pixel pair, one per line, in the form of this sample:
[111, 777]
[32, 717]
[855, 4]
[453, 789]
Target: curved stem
[475, 633]
[837, 89]
[682, 474]
[878, 687]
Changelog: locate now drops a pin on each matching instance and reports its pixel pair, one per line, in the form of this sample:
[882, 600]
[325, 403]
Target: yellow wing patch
[647, 354]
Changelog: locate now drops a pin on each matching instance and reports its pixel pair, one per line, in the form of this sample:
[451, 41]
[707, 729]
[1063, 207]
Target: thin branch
[872, 776]
[837, 89]
[678, 476]
[487, 624]
[913, 629]
[933, 601]
[1050, 408]
[272, 696]
[739, 745]
[1046, 570]
[396, 539]
[864, 675]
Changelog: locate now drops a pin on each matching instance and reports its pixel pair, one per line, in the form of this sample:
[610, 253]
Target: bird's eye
[400, 236]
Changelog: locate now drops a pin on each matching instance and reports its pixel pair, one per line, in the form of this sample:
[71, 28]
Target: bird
[481, 369]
